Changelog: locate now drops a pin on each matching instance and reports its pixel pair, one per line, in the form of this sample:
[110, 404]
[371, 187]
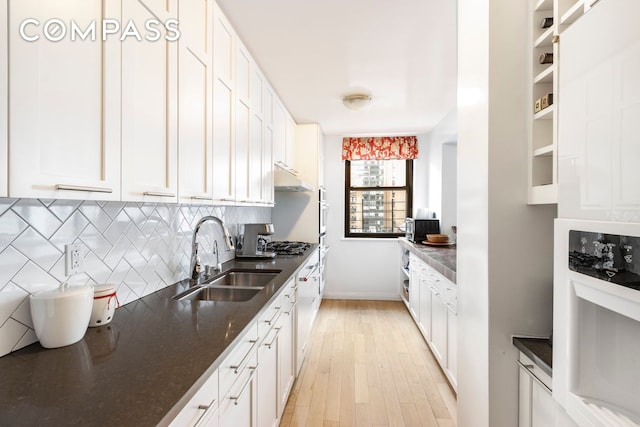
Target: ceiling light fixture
[356, 101]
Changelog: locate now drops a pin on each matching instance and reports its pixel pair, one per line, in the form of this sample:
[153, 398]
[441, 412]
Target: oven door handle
[313, 269]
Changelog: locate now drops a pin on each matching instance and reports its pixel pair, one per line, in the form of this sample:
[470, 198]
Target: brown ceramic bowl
[438, 238]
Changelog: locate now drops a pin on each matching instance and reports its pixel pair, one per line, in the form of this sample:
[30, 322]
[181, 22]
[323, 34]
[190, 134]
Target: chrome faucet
[194, 267]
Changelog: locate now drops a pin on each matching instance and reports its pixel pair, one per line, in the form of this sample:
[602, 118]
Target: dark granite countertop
[441, 258]
[539, 350]
[132, 372]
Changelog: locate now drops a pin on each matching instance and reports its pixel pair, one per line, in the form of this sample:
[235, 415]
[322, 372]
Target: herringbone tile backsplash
[139, 247]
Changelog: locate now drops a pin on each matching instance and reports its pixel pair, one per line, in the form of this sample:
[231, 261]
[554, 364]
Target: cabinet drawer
[201, 405]
[290, 292]
[269, 317]
[233, 365]
[535, 370]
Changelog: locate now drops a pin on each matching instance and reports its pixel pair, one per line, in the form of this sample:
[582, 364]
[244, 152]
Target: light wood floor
[369, 366]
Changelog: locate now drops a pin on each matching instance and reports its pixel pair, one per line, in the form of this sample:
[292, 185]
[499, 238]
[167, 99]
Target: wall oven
[596, 341]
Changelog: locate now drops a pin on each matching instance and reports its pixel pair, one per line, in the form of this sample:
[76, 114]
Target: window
[378, 197]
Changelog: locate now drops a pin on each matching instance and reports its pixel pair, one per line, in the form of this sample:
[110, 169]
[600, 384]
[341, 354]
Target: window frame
[408, 187]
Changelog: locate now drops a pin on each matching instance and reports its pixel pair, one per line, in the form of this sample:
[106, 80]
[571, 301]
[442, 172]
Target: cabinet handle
[204, 408]
[306, 278]
[236, 368]
[244, 387]
[84, 188]
[201, 197]
[288, 313]
[270, 321]
[275, 337]
[529, 369]
[159, 194]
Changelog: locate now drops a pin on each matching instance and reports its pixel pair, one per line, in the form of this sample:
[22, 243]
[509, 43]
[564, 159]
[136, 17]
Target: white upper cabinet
[149, 106]
[284, 137]
[242, 122]
[64, 102]
[195, 101]
[4, 135]
[257, 138]
[600, 115]
[223, 106]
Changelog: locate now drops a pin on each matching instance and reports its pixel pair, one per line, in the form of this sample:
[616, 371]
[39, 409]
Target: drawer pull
[159, 194]
[204, 408]
[236, 368]
[84, 188]
[530, 369]
[277, 311]
[202, 197]
[275, 337]
[244, 387]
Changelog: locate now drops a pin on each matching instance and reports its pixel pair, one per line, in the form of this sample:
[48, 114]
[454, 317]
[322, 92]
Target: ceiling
[402, 53]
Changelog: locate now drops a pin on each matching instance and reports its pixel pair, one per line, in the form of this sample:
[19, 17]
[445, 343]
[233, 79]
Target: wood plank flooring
[369, 366]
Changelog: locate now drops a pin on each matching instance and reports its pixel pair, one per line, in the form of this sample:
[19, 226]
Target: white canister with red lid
[105, 303]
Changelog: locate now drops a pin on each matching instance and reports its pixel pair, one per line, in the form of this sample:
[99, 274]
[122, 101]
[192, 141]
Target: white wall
[504, 259]
[356, 268]
[440, 155]
[369, 268]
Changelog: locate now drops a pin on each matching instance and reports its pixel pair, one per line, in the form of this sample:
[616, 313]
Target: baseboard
[362, 296]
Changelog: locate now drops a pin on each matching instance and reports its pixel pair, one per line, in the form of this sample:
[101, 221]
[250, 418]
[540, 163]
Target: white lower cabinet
[536, 405]
[254, 381]
[425, 308]
[286, 352]
[433, 306]
[308, 304]
[438, 326]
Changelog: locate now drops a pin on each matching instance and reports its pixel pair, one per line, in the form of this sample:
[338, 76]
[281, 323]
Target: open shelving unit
[543, 129]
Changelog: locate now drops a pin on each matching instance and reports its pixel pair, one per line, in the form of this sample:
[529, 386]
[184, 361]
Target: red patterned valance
[380, 148]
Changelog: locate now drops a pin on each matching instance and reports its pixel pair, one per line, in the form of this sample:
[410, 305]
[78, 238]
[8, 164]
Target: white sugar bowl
[61, 316]
[105, 303]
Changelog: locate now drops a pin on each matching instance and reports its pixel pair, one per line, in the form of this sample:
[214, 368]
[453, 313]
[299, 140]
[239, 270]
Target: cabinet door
[279, 131]
[64, 126]
[425, 308]
[452, 346]
[195, 101]
[267, 380]
[4, 89]
[438, 326]
[290, 142]
[414, 291]
[524, 398]
[239, 407]
[242, 122]
[149, 101]
[267, 166]
[256, 140]
[542, 406]
[223, 101]
[286, 352]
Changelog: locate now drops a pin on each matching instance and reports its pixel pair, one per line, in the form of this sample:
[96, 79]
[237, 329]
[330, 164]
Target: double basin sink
[232, 286]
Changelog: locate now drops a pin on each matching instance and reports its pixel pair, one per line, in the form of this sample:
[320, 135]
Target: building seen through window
[378, 197]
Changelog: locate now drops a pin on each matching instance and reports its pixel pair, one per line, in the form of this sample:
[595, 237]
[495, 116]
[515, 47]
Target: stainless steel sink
[232, 286]
[243, 278]
[224, 294]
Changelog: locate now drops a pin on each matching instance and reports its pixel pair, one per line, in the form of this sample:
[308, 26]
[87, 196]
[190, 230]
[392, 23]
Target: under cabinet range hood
[285, 180]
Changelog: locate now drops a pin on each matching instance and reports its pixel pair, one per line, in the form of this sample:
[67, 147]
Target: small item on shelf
[546, 22]
[542, 103]
[546, 101]
[546, 58]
